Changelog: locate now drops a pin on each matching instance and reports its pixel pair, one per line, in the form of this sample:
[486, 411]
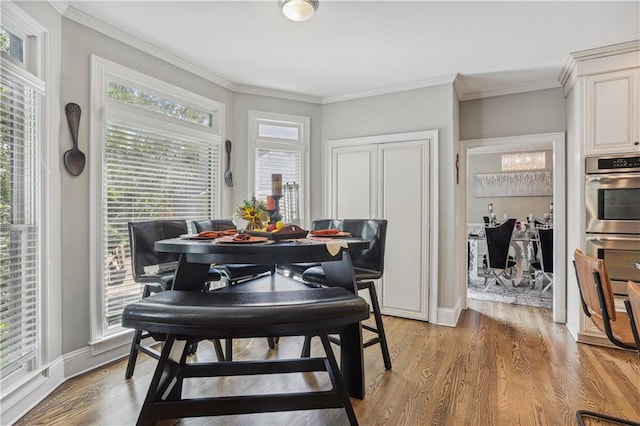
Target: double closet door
[388, 180]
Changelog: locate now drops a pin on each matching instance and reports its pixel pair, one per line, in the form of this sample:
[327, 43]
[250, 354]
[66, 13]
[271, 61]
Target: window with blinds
[20, 217]
[281, 146]
[148, 176]
[160, 159]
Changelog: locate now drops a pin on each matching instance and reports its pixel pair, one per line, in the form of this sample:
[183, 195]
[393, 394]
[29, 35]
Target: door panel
[352, 191]
[403, 202]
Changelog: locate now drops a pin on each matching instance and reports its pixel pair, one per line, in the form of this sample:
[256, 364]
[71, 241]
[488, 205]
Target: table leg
[340, 274]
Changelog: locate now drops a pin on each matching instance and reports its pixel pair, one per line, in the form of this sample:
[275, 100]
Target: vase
[255, 225]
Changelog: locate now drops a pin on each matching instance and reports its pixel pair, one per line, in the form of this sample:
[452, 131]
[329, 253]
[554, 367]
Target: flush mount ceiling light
[298, 10]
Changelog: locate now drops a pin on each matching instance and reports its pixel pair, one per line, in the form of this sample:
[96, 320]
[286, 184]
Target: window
[160, 159]
[280, 144]
[21, 240]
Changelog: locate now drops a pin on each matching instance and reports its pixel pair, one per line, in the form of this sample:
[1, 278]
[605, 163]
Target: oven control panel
[612, 164]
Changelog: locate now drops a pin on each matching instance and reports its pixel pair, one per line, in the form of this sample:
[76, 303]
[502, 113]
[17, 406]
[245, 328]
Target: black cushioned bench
[184, 317]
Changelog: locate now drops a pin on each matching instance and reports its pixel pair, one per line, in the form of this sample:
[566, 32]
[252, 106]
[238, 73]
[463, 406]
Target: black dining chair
[368, 265]
[235, 273]
[295, 270]
[155, 271]
[543, 263]
[498, 241]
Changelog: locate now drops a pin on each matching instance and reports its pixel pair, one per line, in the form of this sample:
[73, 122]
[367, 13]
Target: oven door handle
[612, 238]
[612, 177]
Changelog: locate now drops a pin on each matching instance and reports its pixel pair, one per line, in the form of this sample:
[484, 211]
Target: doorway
[555, 143]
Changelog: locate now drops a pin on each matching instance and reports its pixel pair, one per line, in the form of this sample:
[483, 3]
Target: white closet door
[404, 202]
[353, 182]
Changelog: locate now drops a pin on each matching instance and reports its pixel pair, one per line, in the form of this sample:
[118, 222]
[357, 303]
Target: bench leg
[165, 384]
[336, 380]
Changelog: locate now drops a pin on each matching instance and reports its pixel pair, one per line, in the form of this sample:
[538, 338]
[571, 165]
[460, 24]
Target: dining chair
[543, 262]
[297, 269]
[368, 265]
[235, 273]
[498, 241]
[155, 271]
[597, 299]
[632, 305]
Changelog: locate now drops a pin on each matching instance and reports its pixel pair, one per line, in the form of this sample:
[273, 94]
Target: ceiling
[354, 48]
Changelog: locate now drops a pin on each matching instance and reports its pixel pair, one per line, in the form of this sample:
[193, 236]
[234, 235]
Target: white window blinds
[19, 220]
[149, 175]
[281, 146]
[157, 156]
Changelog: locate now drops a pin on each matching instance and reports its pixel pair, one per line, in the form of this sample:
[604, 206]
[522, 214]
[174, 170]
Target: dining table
[522, 249]
[196, 256]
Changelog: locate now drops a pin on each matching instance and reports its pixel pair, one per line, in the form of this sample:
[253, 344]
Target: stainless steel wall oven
[613, 215]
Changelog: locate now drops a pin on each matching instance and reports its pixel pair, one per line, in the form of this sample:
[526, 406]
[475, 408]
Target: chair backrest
[545, 236]
[213, 225]
[373, 230]
[586, 267]
[142, 238]
[325, 224]
[498, 239]
[633, 309]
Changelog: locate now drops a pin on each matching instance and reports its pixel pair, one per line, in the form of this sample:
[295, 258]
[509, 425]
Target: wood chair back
[598, 302]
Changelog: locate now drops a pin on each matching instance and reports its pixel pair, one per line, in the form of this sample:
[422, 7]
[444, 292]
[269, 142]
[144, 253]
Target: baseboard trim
[449, 316]
[18, 403]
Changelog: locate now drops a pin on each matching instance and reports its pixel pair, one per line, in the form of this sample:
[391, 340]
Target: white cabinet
[390, 181]
[612, 115]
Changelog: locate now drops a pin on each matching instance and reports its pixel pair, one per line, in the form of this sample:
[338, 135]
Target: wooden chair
[632, 305]
[597, 299]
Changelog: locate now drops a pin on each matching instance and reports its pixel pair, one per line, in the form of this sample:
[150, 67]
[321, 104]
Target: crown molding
[599, 52]
[263, 91]
[59, 5]
[131, 40]
[419, 84]
[511, 90]
[458, 86]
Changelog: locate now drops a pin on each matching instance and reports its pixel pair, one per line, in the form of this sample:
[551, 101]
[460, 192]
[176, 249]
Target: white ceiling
[350, 48]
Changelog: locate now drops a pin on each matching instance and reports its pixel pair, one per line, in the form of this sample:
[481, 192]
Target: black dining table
[196, 256]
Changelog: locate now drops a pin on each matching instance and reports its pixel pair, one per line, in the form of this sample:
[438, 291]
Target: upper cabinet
[602, 87]
[612, 115]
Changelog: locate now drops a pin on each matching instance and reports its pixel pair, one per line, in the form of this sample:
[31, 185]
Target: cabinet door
[404, 202]
[612, 123]
[353, 182]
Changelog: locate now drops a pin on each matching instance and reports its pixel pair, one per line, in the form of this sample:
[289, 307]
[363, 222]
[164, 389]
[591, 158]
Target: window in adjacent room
[159, 159]
[279, 144]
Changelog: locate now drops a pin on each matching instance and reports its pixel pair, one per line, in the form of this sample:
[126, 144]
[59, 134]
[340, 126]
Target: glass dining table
[196, 256]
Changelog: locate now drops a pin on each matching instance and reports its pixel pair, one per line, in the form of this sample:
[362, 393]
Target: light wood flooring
[503, 365]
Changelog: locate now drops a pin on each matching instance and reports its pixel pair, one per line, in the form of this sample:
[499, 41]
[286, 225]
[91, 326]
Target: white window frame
[300, 145]
[103, 109]
[32, 72]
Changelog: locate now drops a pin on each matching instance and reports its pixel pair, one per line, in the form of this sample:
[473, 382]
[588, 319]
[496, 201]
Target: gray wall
[79, 43]
[428, 108]
[518, 207]
[529, 113]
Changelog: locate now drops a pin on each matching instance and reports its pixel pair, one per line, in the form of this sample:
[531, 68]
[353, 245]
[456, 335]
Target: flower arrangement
[253, 212]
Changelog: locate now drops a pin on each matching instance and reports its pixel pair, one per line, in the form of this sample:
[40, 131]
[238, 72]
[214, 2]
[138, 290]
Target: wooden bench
[184, 317]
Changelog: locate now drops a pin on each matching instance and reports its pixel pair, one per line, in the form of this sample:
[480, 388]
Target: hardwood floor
[503, 365]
